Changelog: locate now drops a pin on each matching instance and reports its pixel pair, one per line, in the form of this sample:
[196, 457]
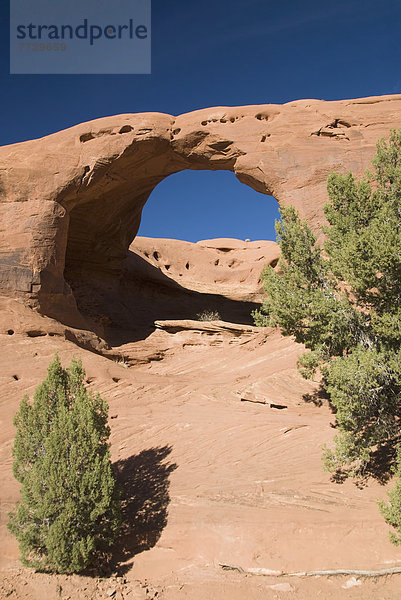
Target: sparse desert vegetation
[208, 315]
[215, 436]
[69, 514]
[342, 301]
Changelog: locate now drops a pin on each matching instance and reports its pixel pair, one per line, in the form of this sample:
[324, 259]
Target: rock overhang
[71, 202]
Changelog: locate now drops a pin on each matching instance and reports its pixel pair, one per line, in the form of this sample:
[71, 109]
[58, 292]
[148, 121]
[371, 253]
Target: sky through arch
[196, 205]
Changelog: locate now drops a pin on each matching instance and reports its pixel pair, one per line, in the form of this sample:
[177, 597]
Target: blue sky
[213, 53]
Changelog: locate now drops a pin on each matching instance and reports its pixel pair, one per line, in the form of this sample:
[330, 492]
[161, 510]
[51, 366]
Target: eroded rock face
[173, 279]
[70, 203]
[224, 267]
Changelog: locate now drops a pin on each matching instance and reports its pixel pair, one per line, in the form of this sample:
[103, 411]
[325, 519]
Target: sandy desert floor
[209, 477]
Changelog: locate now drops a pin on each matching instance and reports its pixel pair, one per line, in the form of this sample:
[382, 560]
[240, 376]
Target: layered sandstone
[215, 435]
[71, 202]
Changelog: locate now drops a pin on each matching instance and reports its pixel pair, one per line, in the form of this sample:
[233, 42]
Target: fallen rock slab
[174, 326]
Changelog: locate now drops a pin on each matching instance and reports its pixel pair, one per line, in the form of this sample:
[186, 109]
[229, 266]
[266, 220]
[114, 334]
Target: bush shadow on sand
[144, 481]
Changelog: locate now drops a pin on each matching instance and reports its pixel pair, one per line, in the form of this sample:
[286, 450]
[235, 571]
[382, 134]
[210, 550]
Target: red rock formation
[71, 202]
[225, 267]
[222, 402]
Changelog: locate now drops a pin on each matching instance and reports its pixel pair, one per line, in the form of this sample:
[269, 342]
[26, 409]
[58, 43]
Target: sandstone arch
[71, 202]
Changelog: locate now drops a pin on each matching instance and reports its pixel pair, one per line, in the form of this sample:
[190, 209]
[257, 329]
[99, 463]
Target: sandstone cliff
[70, 203]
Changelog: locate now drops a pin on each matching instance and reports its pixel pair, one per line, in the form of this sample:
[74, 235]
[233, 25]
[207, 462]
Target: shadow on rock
[318, 398]
[123, 309]
[144, 481]
[380, 466]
